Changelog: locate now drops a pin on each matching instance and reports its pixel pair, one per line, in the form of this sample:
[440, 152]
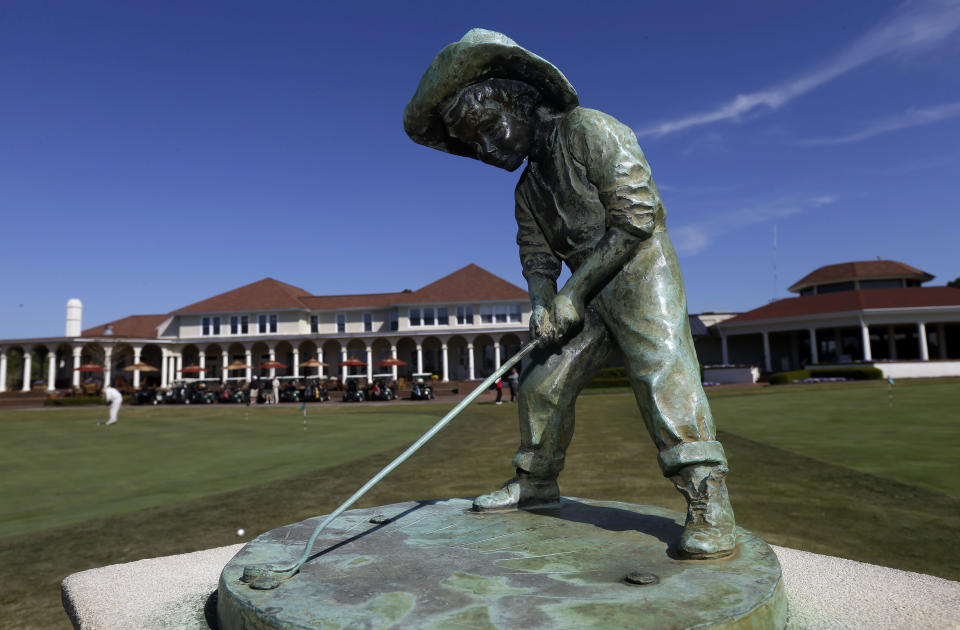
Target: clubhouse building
[874, 312]
[459, 328]
[462, 326]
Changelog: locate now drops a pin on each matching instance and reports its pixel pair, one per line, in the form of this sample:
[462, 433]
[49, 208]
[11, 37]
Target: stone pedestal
[438, 564]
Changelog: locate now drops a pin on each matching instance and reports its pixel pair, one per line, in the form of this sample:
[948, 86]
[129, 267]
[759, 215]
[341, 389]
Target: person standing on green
[586, 198]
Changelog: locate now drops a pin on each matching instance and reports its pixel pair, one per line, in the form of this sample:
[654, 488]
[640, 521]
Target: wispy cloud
[913, 117]
[911, 27]
[692, 238]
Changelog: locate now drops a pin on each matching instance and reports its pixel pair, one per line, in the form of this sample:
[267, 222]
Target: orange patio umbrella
[89, 367]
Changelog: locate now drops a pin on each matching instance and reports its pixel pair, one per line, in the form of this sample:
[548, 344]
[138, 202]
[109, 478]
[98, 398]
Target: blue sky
[155, 154]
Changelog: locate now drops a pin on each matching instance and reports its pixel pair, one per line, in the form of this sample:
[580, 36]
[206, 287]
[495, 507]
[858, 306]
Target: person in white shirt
[114, 399]
[276, 390]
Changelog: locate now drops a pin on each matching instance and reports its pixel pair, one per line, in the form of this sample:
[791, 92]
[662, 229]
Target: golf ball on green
[240, 532]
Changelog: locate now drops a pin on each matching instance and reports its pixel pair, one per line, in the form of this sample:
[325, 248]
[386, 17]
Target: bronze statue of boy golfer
[585, 198]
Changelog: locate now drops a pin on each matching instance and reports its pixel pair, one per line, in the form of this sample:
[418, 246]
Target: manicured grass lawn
[801, 475]
[57, 467]
[916, 441]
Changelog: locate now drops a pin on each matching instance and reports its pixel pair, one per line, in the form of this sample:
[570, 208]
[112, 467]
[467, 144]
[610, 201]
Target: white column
[164, 364]
[224, 361]
[922, 338]
[178, 366]
[393, 353]
[249, 361]
[496, 355]
[419, 358]
[27, 365]
[343, 370]
[446, 363]
[369, 363]
[51, 370]
[470, 374]
[77, 351]
[296, 363]
[3, 370]
[136, 359]
[767, 362]
[942, 341]
[814, 351]
[865, 341]
[892, 342]
[724, 352]
[320, 370]
[203, 364]
[107, 365]
[273, 357]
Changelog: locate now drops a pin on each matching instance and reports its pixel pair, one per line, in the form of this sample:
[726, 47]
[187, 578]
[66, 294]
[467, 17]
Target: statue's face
[499, 135]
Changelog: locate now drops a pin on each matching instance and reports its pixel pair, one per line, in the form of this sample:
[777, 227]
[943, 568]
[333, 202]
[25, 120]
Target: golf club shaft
[527, 349]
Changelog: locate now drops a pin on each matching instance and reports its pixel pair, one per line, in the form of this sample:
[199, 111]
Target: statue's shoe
[710, 529]
[520, 493]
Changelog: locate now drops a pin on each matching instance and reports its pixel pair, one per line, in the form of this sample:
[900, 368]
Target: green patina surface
[437, 564]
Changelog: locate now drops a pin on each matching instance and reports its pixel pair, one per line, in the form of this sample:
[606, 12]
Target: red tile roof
[843, 301]
[135, 326]
[471, 283]
[362, 300]
[261, 295]
[861, 269]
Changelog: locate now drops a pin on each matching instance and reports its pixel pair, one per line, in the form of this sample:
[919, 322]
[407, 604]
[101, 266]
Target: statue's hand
[567, 315]
[541, 325]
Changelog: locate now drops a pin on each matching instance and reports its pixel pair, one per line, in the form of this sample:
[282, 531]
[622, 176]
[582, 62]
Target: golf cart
[353, 392]
[422, 386]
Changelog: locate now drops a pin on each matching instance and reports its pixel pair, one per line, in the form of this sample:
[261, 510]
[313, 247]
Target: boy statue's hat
[479, 55]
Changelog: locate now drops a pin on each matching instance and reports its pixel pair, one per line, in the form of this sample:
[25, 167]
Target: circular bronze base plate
[436, 564]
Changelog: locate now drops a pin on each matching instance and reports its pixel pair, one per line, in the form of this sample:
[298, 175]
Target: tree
[954, 283]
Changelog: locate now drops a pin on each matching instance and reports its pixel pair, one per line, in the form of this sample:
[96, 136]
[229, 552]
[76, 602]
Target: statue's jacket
[591, 177]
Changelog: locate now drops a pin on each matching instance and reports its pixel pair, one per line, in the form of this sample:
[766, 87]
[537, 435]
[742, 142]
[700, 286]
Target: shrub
[854, 373]
[851, 373]
[785, 378]
[70, 401]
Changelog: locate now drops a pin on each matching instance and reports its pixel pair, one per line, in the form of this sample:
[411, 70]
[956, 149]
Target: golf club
[267, 577]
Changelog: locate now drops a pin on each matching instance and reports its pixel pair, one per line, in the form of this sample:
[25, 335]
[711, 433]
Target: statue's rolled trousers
[586, 198]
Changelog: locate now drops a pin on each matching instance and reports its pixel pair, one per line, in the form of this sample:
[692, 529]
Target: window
[234, 325]
[443, 316]
[273, 322]
[244, 324]
[394, 320]
[261, 324]
[314, 323]
[486, 314]
[210, 325]
[464, 315]
[368, 322]
[341, 322]
[501, 313]
[428, 317]
[835, 287]
[516, 313]
[414, 316]
[894, 283]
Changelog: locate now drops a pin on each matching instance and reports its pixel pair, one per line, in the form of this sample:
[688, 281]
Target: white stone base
[823, 593]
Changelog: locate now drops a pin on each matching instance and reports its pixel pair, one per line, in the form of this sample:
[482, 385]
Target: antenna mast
[774, 297]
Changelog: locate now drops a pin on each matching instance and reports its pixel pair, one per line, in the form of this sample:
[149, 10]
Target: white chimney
[74, 315]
